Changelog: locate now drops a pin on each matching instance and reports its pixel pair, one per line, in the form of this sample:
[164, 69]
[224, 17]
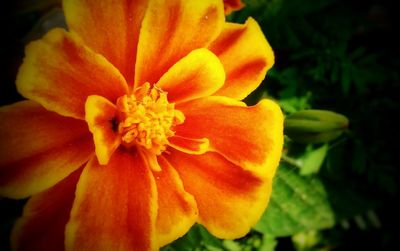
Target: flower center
[146, 118]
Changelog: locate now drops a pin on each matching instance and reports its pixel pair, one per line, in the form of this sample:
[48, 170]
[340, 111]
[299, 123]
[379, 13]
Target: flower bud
[315, 126]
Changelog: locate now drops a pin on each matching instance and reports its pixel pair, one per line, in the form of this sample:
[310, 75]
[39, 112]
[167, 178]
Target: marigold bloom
[134, 131]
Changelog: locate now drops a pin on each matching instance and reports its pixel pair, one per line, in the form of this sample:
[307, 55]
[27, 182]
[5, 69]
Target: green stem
[290, 161]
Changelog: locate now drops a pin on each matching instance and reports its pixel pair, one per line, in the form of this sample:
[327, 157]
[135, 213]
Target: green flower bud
[315, 126]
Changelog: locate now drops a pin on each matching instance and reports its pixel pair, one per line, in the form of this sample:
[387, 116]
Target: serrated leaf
[297, 204]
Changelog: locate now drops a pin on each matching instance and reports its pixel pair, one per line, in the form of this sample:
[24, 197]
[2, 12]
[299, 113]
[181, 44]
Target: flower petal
[109, 27]
[38, 148]
[232, 5]
[246, 56]
[45, 215]
[170, 34]
[101, 118]
[251, 137]
[187, 145]
[150, 159]
[199, 74]
[60, 73]
[177, 210]
[230, 200]
[115, 206]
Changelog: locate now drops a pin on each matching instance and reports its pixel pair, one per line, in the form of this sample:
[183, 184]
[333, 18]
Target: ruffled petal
[251, 137]
[101, 118]
[177, 210]
[170, 34]
[115, 206]
[232, 5]
[246, 56]
[39, 148]
[60, 73]
[109, 27]
[230, 200]
[199, 74]
[45, 215]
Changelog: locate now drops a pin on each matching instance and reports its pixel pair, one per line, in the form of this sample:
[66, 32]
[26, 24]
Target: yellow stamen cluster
[146, 118]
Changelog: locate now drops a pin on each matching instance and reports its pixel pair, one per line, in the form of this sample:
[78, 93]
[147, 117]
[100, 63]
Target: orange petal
[197, 75]
[150, 159]
[45, 215]
[187, 145]
[109, 27]
[38, 148]
[177, 210]
[250, 137]
[170, 30]
[232, 5]
[246, 56]
[101, 118]
[230, 200]
[60, 73]
[115, 206]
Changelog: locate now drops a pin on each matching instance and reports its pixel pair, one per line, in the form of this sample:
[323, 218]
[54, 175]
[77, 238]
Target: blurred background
[343, 56]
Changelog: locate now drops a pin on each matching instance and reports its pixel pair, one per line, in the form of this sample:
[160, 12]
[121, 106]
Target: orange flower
[134, 130]
[232, 5]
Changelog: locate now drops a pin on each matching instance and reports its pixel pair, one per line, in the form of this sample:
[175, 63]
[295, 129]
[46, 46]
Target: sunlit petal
[177, 210]
[197, 75]
[230, 200]
[246, 56]
[101, 119]
[170, 30]
[38, 148]
[115, 206]
[60, 73]
[251, 137]
[109, 27]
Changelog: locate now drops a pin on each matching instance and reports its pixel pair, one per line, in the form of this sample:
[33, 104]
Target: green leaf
[297, 204]
[268, 243]
[295, 103]
[306, 241]
[198, 238]
[232, 245]
[313, 159]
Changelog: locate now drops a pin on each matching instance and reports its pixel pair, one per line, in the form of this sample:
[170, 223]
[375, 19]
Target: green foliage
[196, 239]
[305, 241]
[313, 159]
[297, 204]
